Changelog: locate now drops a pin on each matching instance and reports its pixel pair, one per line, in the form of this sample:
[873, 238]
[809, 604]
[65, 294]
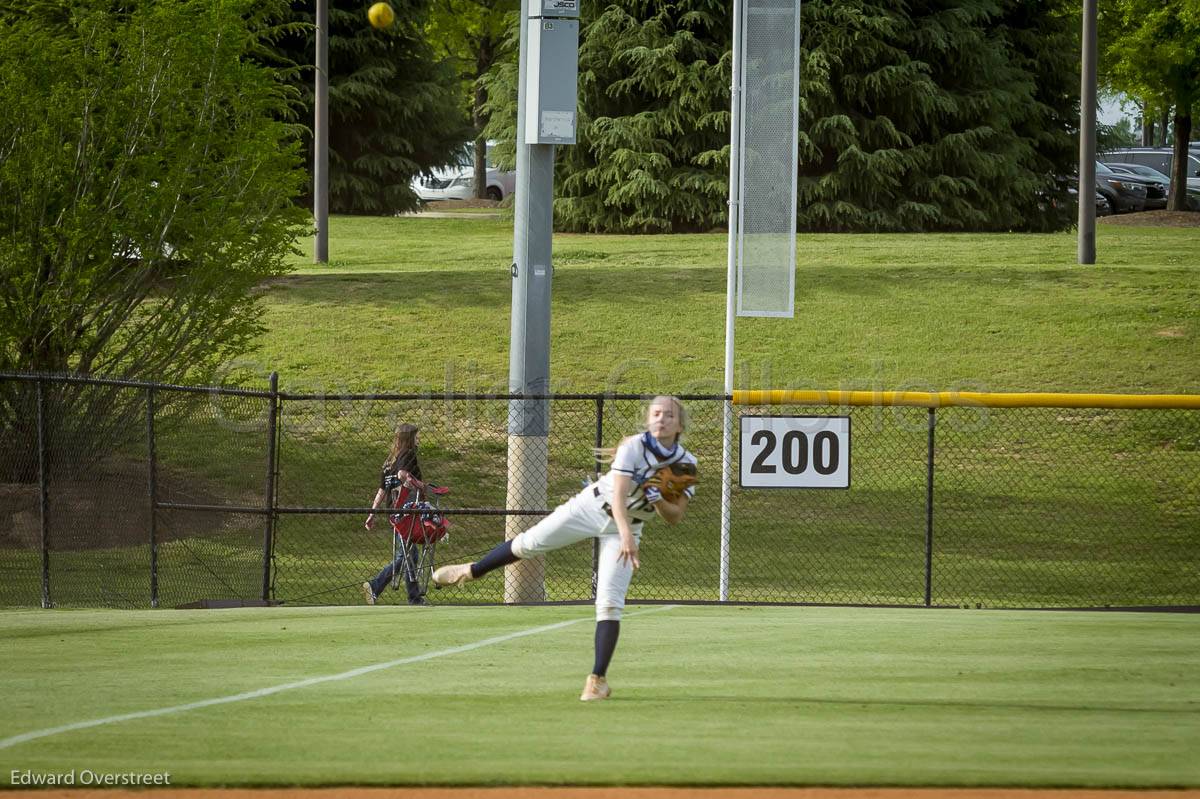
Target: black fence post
[269, 531]
[153, 489]
[929, 512]
[599, 466]
[44, 492]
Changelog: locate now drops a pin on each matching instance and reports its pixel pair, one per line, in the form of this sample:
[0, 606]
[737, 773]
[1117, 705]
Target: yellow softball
[381, 15]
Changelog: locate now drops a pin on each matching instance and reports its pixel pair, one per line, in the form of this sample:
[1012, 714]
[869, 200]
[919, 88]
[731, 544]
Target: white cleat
[456, 574]
[595, 689]
[368, 594]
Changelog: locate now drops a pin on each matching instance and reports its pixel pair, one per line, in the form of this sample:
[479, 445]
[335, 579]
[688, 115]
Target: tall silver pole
[321, 137]
[735, 146]
[529, 349]
[1087, 138]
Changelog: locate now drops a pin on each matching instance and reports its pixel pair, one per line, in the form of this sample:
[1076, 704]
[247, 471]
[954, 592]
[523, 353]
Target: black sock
[607, 633]
[502, 555]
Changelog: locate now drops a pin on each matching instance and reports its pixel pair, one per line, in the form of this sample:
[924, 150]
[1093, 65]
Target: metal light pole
[1087, 138]
[735, 146]
[546, 104]
[529, 347]
[321, 137]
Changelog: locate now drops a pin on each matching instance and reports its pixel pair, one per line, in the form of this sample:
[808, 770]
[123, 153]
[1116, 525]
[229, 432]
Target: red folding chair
[418, 525]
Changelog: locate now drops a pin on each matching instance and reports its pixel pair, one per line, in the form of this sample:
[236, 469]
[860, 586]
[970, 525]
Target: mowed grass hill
[415, 303]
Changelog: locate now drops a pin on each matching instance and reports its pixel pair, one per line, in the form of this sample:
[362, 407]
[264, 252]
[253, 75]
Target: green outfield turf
[702, 695]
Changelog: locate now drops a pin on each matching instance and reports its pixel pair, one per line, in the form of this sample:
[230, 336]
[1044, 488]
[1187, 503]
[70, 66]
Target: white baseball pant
[579, 518]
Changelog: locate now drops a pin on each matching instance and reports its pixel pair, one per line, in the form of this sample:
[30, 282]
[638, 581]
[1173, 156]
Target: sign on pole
[795, 452]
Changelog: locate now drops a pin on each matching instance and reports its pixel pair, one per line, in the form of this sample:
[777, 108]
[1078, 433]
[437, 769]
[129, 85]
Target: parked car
[1159, 158]
[457, 182]
[1156, 190]
[1146, 172]
[1152, 174]
[1103, 206]
[1123, 192]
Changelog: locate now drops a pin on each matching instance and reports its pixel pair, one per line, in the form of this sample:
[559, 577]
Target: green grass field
[702, 696]
[412, 303]
[1037, 508]
[1032, 508]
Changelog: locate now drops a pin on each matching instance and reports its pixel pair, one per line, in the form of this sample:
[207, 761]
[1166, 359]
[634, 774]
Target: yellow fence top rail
[965, 399]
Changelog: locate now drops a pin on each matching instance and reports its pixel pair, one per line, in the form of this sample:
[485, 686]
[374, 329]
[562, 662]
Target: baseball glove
[671, 481]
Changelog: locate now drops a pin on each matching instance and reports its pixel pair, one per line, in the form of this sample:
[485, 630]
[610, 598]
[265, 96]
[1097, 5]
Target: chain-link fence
[116, 494]
[125, 494]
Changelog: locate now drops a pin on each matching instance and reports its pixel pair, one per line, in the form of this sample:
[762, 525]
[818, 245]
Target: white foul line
[5, 743]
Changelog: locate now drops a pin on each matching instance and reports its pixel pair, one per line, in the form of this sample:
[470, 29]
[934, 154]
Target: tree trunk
[484, 57]
[1180, 163]
[1163, 123]
[1147, 126]
[480, 168]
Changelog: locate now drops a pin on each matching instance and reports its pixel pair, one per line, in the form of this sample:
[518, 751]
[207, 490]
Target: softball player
[617, 523]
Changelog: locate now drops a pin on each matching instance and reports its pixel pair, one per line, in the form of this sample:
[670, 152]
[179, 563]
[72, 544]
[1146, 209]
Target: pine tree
[653, 127]
[925, 115]
[940, 115]
[394, 108]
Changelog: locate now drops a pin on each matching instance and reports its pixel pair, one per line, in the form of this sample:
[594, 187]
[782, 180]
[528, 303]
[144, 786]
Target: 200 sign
[823, 453]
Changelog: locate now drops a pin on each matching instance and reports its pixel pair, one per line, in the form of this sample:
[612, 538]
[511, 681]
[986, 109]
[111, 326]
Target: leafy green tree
[146, 187]
[394, 107]
[470, 33]
[1155, 121]
[1151, 49]
[1116, 136]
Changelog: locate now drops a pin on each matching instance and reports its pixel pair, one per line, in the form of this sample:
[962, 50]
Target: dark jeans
[380, 581]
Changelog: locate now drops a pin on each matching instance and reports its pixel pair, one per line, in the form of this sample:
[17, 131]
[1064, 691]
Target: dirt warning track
[624, 792]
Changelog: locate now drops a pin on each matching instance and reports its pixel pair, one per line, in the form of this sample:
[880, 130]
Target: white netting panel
[767, 208]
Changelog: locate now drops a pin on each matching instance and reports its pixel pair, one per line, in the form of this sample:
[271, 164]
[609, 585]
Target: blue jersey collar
[651, 443]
